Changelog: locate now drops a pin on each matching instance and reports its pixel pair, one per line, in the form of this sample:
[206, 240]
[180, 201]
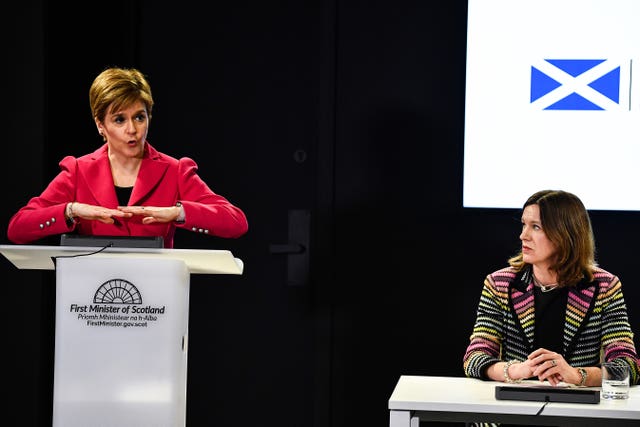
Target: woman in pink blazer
[126, 187]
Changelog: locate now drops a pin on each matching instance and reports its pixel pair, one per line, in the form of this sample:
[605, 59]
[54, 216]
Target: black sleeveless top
[550, 309]
[123, 194]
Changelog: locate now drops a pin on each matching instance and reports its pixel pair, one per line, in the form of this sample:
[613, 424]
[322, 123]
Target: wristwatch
[68, 214]
[180, 219]
[583, 374]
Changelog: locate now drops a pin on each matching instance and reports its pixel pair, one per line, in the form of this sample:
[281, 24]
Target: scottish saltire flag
[576, 84]
[545, 103]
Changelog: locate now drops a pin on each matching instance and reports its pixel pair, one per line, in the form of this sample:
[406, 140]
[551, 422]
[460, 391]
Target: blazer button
[206, 231]
[194, 229]
[53, 220]
[48, 223]
[41, 226]
[199, 230]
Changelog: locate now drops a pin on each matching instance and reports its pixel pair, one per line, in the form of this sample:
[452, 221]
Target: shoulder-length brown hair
[566, 223]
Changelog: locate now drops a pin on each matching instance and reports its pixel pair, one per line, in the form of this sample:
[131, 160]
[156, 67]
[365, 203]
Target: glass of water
[615, 381]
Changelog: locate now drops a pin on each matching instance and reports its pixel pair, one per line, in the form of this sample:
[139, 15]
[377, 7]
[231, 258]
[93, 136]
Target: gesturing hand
[96, 213]
[153, 214]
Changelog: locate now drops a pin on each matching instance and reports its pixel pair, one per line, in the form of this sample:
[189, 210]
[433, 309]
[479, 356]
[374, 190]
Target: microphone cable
[54, 258]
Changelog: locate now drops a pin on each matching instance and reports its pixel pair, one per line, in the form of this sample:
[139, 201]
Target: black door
[239, 90]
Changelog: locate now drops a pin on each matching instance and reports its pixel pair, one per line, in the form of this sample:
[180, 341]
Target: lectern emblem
[117, 291]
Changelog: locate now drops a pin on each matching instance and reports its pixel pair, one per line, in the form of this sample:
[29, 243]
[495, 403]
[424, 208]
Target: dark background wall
[349, 111]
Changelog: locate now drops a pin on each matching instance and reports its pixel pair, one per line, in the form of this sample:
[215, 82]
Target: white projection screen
[552, 102]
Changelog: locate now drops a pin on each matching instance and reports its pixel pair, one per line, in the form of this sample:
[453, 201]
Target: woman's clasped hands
[546, 366]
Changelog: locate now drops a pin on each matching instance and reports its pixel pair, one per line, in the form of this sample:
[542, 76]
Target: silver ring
[553, 363]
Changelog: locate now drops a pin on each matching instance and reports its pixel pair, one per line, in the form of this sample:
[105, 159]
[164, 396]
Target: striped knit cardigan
[596, 324]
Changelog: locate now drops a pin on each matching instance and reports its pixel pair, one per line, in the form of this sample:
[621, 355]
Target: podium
[121, 332]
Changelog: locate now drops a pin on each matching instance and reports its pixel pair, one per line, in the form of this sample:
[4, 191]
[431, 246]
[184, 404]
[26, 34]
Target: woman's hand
[95, 213]
[552, 367]
[153, 214]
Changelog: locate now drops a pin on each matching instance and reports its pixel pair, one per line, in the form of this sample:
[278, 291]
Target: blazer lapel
[96, 170]
[149, 176]
[522, 302]
[580, 303]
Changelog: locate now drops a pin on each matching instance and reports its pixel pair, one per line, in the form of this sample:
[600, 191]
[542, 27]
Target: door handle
[297, 248]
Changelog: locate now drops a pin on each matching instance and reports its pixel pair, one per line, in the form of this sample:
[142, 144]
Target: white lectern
[121, 330]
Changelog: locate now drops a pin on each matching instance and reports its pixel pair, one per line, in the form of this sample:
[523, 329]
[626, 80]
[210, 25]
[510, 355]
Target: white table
[457, 399]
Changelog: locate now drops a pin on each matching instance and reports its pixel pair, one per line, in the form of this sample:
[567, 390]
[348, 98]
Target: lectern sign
[121, 342]
[117, 303]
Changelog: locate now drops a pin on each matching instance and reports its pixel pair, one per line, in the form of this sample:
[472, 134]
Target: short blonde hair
[116, 88]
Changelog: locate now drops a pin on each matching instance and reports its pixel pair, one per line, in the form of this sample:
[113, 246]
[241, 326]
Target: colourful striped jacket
[596, 325]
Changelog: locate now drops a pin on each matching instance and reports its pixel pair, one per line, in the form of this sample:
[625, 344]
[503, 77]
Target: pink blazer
[162, 181]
